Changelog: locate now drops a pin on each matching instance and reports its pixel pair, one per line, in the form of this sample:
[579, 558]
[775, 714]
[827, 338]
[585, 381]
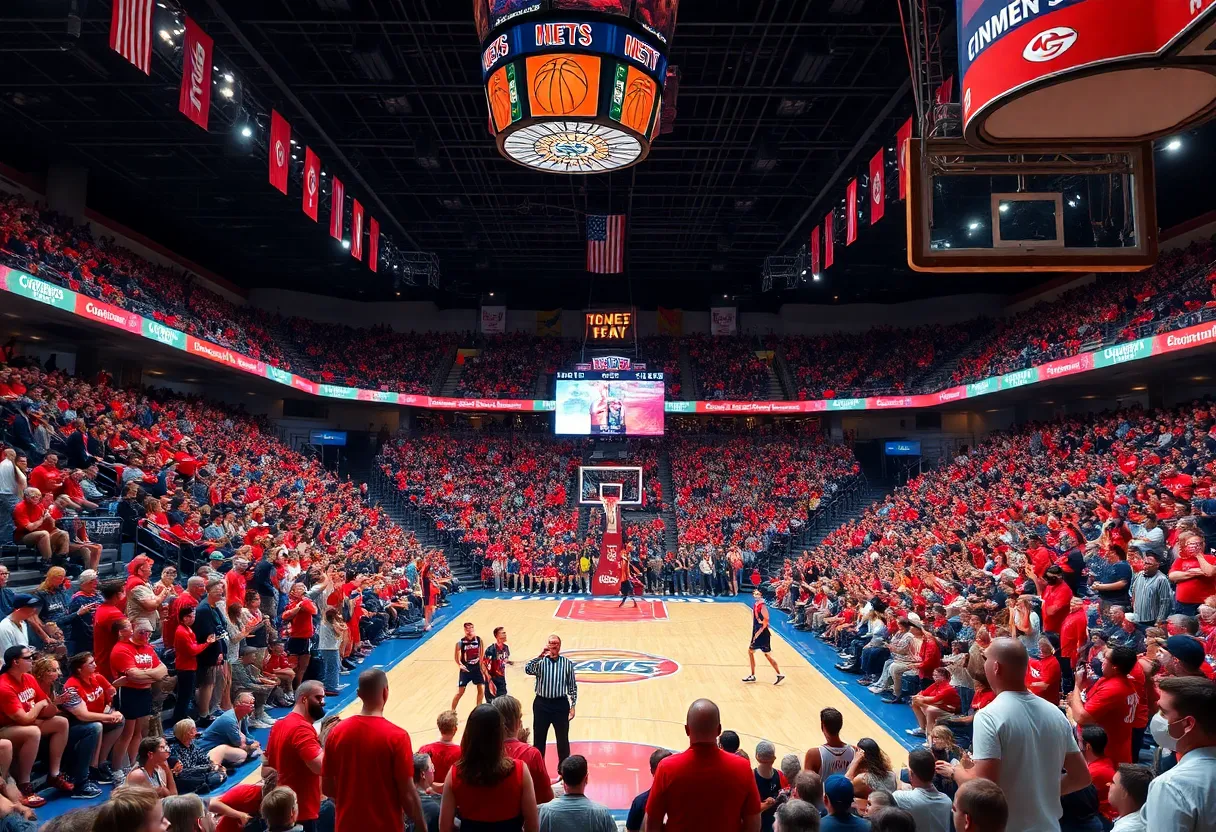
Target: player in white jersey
[835, 755]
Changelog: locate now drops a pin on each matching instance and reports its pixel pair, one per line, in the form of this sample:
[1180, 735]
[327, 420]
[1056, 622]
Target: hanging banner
[671, 321]
[280, 150]
[336, 206]
[312, 183]
[945, 93]
[878, 201]
[549, 322]
[723, 320]
[850, 220]
[356, 230]
[194, 101]
[373, 243]
[815, 250]
[493, 320]
[901, 153]
[829, 243]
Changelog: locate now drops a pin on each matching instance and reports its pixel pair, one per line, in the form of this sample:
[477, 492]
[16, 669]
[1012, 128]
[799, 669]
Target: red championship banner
[373, 243]
[312, 183]
[815, 250]
[194, 101]
[280, 150]
[878, 201]
[829, 244]
[356, 230]
[611, 569]
[336, 206]
[945, 93]
[850, 220]
[901, 153]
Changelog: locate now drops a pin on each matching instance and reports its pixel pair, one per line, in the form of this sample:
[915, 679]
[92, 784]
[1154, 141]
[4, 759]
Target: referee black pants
[554, 712]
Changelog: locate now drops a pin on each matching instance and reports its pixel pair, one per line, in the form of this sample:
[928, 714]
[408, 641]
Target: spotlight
[346, 244]
[974, 226]
[1004, 207]
[804, 272]
[1174, 145]
[166, 37]
[816, 276]
[1072, 204]
[228, 77]
[226, 92]
[247, 131]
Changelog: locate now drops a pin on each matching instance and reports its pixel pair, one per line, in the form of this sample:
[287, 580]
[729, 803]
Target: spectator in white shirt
[929, 807]
[1148, 538]
[13, 629]
[1128, 791]
[1183, 799]
[12, 486]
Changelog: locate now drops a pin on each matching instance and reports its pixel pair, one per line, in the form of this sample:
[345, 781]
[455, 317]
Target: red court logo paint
[585, 609]
[609, 666]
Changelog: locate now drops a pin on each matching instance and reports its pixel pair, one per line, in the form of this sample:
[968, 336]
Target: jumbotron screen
[609, 404]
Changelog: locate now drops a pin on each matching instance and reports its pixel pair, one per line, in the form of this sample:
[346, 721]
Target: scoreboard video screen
[609, 403]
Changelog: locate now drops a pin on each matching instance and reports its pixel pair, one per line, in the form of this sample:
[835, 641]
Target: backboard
[594, 481]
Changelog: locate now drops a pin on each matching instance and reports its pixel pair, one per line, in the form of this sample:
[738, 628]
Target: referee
[556, 695]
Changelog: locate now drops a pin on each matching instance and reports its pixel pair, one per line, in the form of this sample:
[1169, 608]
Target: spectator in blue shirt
[637, 809]
[1115, 579]
[226, 741]
[838, 797]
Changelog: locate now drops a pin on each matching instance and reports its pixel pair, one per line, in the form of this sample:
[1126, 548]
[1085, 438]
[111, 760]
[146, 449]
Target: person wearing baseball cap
[1186, 656]
[838, 798]
[13, 630]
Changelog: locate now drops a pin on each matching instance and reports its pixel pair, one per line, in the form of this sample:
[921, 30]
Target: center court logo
[609, 666]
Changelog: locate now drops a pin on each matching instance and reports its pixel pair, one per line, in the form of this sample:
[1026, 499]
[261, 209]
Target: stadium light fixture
[247, 131]
[166, 37]
[816, 276]
[1072, 204]
[974, 226]
[228, 77]
[227, 92]
[1004, 207]
[1174, 145]
[346, 244]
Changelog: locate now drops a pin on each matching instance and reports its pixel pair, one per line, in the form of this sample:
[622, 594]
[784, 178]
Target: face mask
[1159, 726]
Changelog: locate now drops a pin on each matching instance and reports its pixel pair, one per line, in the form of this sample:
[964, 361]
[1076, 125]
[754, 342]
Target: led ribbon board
[573, 91]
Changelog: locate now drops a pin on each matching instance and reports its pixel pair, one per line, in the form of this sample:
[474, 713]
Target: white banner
[493, 320]
[722, 320]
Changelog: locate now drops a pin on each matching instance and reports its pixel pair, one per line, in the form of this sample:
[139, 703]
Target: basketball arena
[607, 414]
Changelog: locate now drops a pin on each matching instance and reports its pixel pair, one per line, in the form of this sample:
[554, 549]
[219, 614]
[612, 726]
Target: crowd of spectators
[662, 353]
[727, 368]
[375, 358]
[510, 366]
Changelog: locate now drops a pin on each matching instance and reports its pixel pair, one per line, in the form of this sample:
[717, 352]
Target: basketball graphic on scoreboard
[640, 93]
[564, 85]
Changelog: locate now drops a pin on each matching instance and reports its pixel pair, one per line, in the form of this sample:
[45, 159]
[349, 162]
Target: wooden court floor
[651, 670]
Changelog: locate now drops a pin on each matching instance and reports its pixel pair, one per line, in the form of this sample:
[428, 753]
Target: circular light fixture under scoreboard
[575, 86]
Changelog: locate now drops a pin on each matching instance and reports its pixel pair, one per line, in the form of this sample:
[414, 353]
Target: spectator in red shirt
[299, 614]
[27, 716]
[47, 477]
[92, 701]
[365, 754]
[1193, 574]
[1110, 702]
[487, 788]
[1092, 741]
[137, 668]
[941, 695]
[35, 527]
[444, 752]
[1043, 674]
[679, 800]
[241, 804]
[1057, 597]
[294, 751]
[1074, 633]
[517, 748]
[110, 612]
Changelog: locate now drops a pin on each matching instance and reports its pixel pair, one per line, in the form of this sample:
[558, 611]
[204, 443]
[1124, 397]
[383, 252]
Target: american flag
[131, 32]
[606, 243]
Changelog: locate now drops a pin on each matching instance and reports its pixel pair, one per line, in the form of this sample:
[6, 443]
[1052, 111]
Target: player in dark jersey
[627, 575]
[469, 659]
[761, 638]
[494, 665]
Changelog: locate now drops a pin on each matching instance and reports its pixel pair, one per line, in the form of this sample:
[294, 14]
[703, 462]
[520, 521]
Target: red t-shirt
[18, 696]
[127, 655]
[535, 763]
[247, 799]
[24, 513]
[945, 694]
[930, 657]
[679, 791]
[103, 636]
[443, 755]
[235, 583]
[1073, 633]
[1102, 772]
[368, 756]
[95, 692]
[301, 625]
[292, 741]
[45, 479]
[981, 699]
[1112, 703]
[169, 627]
[489, 804]
[187, 648]
[1055, 606]
[1045, 670]
[1196, 589]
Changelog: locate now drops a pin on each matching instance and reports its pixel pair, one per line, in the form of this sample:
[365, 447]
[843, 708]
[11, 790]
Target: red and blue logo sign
[609, 666]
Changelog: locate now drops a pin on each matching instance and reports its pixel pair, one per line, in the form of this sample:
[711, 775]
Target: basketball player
[599, 410]
[429, 592]
[469, 659]
[761, 636]
[835, 755]
[494, 665]
[627, 574]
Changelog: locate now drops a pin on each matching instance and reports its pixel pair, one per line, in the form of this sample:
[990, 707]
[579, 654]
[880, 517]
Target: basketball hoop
[610, 502]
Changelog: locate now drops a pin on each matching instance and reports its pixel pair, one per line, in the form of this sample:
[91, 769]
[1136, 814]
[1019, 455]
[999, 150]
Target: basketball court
[638, 672]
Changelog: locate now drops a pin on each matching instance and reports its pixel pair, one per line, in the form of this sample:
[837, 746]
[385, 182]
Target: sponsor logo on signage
[979, 388]
[280, 153]
[312, 184]
[41, 291]
[213, 352]
[611, 580]
[1049, 44]
[1019, 377]
[535, 7]
[498, 49]
[608, 666]
[846, 404]
[1191, 338]
[1063, 368]
[611, 362]
[950, 395]
[197, 67]
[1000, 24]
[1125, 352]
[876, 189]
[162, 333]
[275, 374]
[642, 52]
[303, 384]
[112, 316]
[967, 101]
[899, 401]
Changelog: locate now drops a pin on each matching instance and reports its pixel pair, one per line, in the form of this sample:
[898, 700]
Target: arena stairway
[688, 378]
[383, 492]
[775, 391]
[452, 380]
[671, 537]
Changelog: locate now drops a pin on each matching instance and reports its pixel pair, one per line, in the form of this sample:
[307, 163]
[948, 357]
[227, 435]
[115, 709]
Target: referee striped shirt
[554, 677]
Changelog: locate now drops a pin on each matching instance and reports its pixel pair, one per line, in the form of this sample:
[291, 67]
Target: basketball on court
[560, 86]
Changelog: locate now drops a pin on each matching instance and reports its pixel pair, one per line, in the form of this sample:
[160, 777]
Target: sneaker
[106, 771]
[915, 732]
[749, 678]
[58, 781]
[119, 776]
[865, 681]
[780, 676]
[86, 791]
[875, 689]
[30, 797]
